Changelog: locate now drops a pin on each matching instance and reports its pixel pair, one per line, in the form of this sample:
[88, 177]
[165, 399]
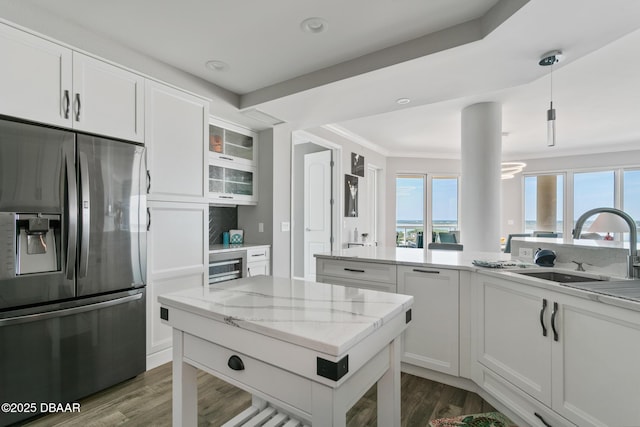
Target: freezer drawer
[68, 352]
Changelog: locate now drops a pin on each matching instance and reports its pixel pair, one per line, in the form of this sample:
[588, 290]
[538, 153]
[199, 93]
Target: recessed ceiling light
[314, 25]
[216, 65]
[403, 101]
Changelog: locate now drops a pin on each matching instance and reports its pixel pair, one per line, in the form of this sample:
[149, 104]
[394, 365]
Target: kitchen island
[306, 351]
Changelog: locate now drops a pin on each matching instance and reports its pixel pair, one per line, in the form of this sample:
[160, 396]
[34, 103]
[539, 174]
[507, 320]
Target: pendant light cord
[551, 81]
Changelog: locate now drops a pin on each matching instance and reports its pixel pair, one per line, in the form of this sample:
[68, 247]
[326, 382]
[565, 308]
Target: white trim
[159, 358]
[356, 139]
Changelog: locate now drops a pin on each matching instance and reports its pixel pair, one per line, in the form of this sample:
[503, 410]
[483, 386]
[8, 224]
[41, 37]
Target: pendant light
[547, 60]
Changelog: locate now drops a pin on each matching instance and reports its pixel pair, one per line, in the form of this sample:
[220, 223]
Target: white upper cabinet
[176, 130]
[48, 83]
[107, 100]
[233, 175]
[231, 143]
[35, 78]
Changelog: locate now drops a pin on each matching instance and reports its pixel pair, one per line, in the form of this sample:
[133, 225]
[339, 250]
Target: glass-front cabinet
[231, 143]
[232, 164]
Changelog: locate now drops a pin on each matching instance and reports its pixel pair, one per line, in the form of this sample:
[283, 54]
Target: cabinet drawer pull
[235, 363]
[226, 158]
[226, 197]
[258, 254]
[542, 419]
[354, 270]
[417, 270]
[553, 321]
[542, 310]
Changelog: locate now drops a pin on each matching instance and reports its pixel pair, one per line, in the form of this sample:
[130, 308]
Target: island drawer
[365, 271]
[249, 374]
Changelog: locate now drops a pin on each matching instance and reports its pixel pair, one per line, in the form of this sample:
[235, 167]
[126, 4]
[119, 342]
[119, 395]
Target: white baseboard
[159, 358]
[458, 382]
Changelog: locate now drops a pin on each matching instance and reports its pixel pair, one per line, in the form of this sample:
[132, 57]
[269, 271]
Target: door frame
[302, 137]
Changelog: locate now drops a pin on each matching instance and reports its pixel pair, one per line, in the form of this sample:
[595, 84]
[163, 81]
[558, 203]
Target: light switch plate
[285, 226]
[261, 227]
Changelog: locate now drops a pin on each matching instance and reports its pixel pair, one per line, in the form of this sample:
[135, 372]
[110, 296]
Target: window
[617, 188]
[444, 205]
[592, 190]
[543, 203]
[409, 210]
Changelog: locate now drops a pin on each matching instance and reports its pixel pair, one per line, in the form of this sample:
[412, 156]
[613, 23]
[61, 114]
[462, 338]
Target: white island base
[306, 351]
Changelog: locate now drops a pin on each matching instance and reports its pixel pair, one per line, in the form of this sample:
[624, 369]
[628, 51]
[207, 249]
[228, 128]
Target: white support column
[480, 181]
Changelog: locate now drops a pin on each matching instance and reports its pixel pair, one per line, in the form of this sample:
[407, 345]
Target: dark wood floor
[146, 401]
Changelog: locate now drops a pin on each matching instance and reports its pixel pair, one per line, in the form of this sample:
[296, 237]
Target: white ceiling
[442, 54]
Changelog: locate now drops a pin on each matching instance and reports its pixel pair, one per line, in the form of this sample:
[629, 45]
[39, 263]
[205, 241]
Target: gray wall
[250, 216]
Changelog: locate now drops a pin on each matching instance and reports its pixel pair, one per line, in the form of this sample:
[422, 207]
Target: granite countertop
[217, 248]
[322, 317]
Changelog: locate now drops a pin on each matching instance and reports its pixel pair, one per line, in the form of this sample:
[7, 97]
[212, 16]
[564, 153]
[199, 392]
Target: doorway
[314, 202]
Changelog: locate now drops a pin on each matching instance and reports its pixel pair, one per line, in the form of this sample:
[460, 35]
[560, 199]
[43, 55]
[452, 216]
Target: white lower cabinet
[176, 260]
[432, 338]
[596, 377]
[258, 261]
[573, 359]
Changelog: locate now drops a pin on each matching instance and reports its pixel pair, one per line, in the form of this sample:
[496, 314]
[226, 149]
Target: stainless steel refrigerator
[72, 265]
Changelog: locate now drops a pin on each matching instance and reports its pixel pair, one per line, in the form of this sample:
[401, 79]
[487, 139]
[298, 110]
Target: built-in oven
[225, 266]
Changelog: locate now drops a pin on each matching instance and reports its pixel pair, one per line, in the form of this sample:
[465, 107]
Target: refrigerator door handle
[72, 203]
[85, 206]
[28, 318]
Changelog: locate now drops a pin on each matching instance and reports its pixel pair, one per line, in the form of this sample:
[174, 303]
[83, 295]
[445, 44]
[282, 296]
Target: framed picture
[350, 196]
[357, 164]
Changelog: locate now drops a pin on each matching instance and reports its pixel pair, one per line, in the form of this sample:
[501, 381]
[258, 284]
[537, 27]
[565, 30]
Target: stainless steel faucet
[579, 267]
[632, 271]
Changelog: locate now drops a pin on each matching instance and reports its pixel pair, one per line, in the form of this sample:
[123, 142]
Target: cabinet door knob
[235, 363]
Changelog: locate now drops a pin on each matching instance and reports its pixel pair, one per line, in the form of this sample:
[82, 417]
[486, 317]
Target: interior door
[112, 234]
[317, 208]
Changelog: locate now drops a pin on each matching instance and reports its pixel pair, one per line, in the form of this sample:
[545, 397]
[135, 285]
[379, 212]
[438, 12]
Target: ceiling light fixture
[314, 25]
[548, 59]
[403, 101]
[509, 169]
[216, 65]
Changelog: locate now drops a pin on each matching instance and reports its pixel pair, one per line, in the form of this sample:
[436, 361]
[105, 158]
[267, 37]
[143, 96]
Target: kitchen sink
[557, 276]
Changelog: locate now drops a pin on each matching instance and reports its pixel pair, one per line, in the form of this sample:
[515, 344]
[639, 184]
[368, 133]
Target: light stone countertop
[219, 248]
[415, 257]
[461, 260]
[326, 318]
